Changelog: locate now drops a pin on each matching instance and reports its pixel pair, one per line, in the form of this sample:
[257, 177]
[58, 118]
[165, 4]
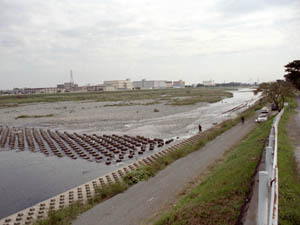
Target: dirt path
[294, 128]
[142, 201]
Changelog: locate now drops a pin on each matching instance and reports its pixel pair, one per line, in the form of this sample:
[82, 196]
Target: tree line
[278, 91]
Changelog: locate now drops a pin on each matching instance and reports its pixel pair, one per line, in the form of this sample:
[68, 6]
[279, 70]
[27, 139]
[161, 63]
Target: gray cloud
[237, 7]
[40, 41]
[12, 13]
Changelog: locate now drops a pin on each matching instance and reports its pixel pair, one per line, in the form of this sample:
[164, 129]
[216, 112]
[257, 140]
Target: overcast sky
[193, 40]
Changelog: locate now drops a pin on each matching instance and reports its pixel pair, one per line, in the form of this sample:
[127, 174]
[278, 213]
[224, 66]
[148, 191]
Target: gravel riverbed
[28, 178]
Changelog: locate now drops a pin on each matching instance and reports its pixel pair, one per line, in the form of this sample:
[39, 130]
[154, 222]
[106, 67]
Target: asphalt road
[142, 201]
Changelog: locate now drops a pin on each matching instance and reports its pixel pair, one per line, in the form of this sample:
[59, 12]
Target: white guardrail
[268, 181]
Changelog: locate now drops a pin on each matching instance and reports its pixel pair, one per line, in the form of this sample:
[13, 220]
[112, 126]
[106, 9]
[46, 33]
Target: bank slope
[220, 197]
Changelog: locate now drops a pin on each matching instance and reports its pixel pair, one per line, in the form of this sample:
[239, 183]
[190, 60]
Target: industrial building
[149, 84]
[179, 84]
[47, 90]
[67, 87]
[169, 84]
[111, 85]
[119, 84]
[100, 87]
[156, 84]
[209, 83]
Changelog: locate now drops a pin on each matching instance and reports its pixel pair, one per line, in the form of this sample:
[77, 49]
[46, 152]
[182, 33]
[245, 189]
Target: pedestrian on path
[243, 120]
[200, 128]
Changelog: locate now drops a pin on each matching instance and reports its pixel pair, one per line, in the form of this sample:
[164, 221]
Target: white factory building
[119, 84]
[150, 84]
[209, 83]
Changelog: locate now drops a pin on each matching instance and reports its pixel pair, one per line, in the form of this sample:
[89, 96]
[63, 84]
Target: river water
[27, 178]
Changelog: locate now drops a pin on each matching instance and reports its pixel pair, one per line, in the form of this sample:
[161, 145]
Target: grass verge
[33, 116]
[67, 215]
[289, 184]
[219, 198]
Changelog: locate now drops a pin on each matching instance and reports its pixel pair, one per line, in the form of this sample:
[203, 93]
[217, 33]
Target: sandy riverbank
[90, 117]
[139, 118]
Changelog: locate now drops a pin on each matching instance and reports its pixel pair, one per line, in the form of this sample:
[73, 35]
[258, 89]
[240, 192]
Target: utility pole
[71, 77]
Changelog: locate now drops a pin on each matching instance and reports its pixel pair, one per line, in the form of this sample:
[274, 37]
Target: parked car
[261, 118]
[264, 110]
[274, 107]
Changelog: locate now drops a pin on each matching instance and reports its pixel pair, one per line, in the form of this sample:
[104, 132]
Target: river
[28, 178]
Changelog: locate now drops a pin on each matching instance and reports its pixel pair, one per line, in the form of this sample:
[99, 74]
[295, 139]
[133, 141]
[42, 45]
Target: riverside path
[145, 199]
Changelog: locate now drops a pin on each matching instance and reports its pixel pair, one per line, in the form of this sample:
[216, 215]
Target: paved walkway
[145, 199]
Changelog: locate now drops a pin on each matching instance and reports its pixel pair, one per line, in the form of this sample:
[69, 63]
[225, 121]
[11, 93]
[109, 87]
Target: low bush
[65, 216]
[141, 173]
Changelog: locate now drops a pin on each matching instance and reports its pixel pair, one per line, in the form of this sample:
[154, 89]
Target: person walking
[200, 128]
[243, 120]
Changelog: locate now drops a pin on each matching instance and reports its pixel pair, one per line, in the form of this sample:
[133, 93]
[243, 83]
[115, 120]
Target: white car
[264, 110]
[261, 118]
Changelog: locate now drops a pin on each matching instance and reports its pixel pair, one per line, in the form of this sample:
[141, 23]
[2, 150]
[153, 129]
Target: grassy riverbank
[219, 198]
[65, 216]
[289, 184]
[178, 96]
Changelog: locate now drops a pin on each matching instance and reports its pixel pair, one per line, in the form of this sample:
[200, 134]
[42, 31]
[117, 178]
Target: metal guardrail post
[268, 181]
[269, 165]
[262, 216]
[271, 140]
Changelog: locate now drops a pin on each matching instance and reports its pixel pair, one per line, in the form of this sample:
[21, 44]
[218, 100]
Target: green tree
[276, 92]
[293, 73]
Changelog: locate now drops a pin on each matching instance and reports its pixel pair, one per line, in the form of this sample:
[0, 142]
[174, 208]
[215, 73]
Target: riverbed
[28, 178]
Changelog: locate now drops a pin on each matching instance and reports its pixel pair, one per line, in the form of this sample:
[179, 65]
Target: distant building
[149, 84]
[60, 86]
[67, 87]
[169, 84]
[47, 90]
[17, 91]
[209, 83]
[100, 87]
[119, 84]
[70, 86]
[109, 88]
[178, 84]
[82, 89]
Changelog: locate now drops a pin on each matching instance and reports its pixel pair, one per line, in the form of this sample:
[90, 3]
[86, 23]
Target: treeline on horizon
[229, 84]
